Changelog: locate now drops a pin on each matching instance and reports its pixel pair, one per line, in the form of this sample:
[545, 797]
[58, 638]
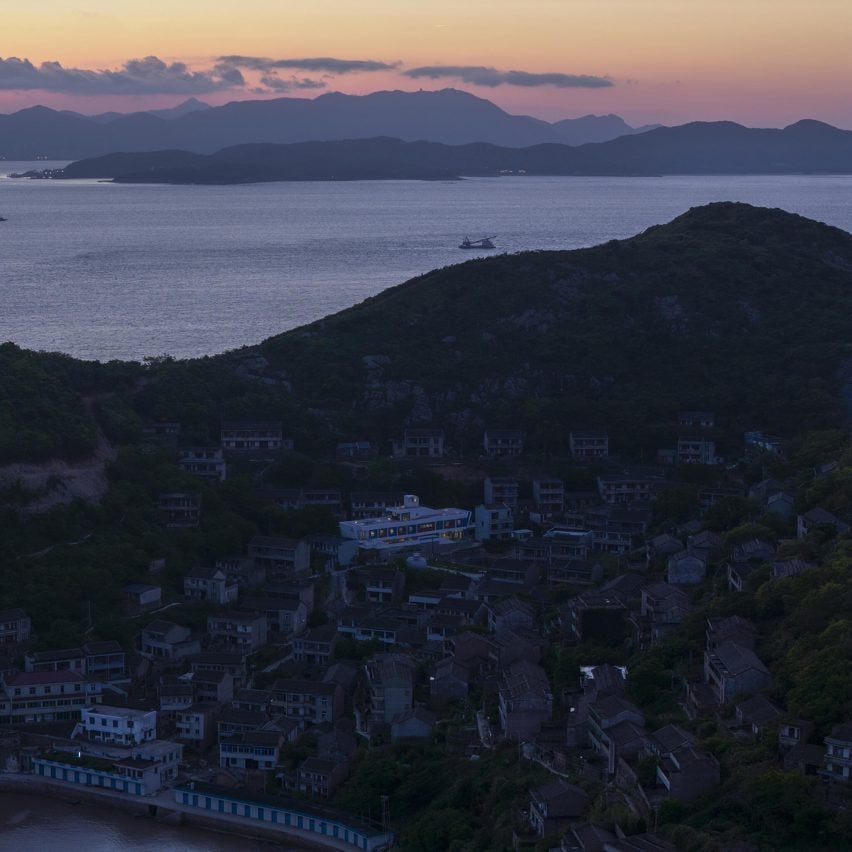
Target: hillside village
[652, 656]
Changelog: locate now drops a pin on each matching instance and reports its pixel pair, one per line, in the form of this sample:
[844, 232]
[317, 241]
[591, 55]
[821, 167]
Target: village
[251, 690]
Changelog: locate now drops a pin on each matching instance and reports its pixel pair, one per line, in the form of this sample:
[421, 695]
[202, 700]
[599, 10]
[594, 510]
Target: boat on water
[484, 243]
[3, 219]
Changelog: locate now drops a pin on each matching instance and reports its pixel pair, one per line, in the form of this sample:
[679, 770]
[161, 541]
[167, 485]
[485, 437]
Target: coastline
[164, 810]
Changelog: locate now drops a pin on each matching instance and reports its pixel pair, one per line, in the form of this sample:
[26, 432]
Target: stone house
[663, 607]
[213, 687]
[420, 443]
[372, 504]
[282, 555]
[241, 631]
[315, 645]
[49, 696]
[686, 569]
[793, 732]
[548, 496]
[757, 713]
[588, 444]
[124, 726]
[104, 660]
[196, 725]
[284, 616]
[241, 570]
[164, 640]
[686, 772]
[838, 753]
[321, 777]
[416, 722]
[500, 490]
[450, 682]
[15, 626]
[525, 700]
[232, 662]
[251, 750]
[819, 517]
[507, 614]
[141, 597]
[616, 729]
[493, 522]
[503, 442]
[210, 584]
[206, 462]
[388, 690]
[307, 702]
[180, 509]
[734, 628]
[248, 435]
[383, 585]
[731, 670]
[627, 489]
[554, 805]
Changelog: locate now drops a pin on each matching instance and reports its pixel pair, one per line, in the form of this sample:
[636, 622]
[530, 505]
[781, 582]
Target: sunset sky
[760, 62]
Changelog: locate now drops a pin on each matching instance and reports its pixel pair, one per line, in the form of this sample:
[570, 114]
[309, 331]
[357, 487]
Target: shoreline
[167, 812]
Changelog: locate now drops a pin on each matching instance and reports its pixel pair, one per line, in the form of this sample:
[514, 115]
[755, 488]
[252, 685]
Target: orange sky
[761, 62]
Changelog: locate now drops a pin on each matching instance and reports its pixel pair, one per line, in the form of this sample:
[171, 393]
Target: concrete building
[388, 690]
[241, 631]
[503, 442]
[588, 445]
[732, 670]
[409, 526]
[210, 584]
[525, 700]
[206, 462]
[247, 435]
[493, 522]
[118, 725]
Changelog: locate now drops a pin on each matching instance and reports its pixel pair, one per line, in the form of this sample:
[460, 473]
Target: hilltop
[740, 310]
[744, 310]
[697, 148]
[450, 116]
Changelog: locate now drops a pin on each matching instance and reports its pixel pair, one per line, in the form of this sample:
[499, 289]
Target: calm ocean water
[105, 271]
[30, 823]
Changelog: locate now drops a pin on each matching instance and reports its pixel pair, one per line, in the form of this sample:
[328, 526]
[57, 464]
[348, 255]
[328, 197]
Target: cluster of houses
[481, 624]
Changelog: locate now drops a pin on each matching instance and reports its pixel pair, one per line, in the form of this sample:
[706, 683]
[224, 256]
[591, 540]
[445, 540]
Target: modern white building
[408, 526]
[119, 725]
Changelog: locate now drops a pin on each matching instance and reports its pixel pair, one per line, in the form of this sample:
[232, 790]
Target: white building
[119, 725]
[409, 525]
[493, 521]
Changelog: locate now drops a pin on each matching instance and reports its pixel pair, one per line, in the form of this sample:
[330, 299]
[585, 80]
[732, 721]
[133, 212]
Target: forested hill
[739, 309]
[742, 310]
[720, 147]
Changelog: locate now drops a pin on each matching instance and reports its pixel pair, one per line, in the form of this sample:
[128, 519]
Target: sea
[111, 271]
[31, 823]
[116, 271]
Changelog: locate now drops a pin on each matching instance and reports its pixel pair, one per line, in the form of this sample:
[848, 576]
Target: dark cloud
[148, 76]
[274, 83]
[321, 63]
[481, 75]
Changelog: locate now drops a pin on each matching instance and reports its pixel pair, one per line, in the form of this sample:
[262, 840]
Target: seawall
[169, 812]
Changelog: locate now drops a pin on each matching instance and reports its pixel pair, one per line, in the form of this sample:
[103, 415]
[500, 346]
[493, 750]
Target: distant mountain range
[699, 148]
[449, 116]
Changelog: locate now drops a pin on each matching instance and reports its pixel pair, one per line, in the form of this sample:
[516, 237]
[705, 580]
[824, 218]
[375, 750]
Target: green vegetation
[746, 312]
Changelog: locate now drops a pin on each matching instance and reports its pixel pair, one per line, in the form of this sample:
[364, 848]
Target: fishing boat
[484, 243]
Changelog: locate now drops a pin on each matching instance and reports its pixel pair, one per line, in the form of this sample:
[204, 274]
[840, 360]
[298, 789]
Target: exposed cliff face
[34, 487]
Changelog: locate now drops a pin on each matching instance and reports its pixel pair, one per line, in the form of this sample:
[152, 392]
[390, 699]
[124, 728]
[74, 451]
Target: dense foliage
[742, 311]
